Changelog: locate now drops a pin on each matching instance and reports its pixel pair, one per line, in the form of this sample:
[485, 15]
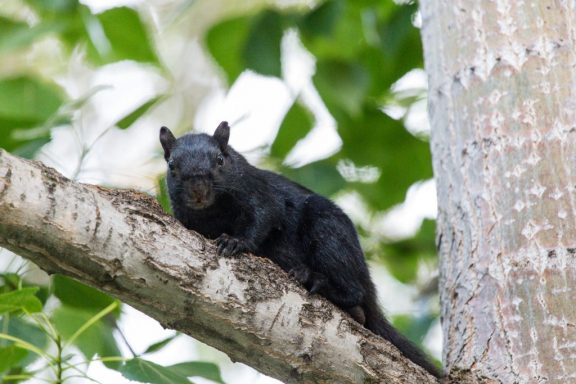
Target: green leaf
[24, 345]
[397, 35]
[10, 356]
[97, 339]
[334, 31]
[30, 148]
[159, 345]
[92, 321]
[11, 281]
[54, 7]
[321, 22]
[403, 267]
[26, 102]
[118, 34]
[113, 35]
[129, 119]
[262, 51]
[203, 369]
[342, 85]
[148, 372]
[15, 34]
[75, 294]
[295, 126]
[248, 42]
[422, 244]
[397, 48]
[225, 42]
[23, 299]
[376, 36]
[321, 176]
[374, 139]
[31, 333]
[163, 197]
[402, 257]
[353, 82]
[415, 328]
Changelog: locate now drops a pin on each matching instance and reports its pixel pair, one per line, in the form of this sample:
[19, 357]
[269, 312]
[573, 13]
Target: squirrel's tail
[377, 323]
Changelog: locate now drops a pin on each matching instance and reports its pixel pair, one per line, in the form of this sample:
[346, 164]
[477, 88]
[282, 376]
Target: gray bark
[502, 100]
[122, 243]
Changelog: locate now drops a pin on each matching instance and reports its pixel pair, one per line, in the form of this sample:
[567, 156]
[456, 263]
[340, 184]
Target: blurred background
[328, 93]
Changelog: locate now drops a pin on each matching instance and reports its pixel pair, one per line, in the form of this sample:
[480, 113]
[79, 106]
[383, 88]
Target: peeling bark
[122, 243]
[502, 107]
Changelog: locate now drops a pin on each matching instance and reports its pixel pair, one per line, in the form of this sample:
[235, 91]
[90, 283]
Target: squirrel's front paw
[230, 246]
[301, 273]
[313, 281]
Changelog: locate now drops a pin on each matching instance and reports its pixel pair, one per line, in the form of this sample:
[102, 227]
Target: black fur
[216, 192]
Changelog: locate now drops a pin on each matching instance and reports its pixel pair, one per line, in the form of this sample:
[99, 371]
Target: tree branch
[122, 243]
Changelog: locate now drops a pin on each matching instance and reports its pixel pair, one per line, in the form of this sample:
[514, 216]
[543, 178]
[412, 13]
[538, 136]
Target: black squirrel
[216, 192]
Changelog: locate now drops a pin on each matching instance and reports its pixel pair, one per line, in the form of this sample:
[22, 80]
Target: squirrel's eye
[220, 160]
[171, 165]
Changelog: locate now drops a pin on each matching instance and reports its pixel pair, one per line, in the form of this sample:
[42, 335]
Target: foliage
[31, 335]
[361, 48]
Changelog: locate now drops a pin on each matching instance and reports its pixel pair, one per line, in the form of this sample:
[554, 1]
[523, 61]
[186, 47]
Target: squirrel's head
[196, 162]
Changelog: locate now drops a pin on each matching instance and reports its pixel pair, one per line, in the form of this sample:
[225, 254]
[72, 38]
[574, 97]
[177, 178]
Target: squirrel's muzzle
[200, 193]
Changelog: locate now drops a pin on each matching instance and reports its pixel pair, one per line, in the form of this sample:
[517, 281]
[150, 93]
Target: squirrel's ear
[167, 140]
[222, 134]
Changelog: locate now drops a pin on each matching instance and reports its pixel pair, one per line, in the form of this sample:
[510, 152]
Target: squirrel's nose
[198, 195]
[200, 190]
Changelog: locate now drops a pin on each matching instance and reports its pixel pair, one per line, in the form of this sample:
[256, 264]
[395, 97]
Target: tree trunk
[502, 99]
[122, 243]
